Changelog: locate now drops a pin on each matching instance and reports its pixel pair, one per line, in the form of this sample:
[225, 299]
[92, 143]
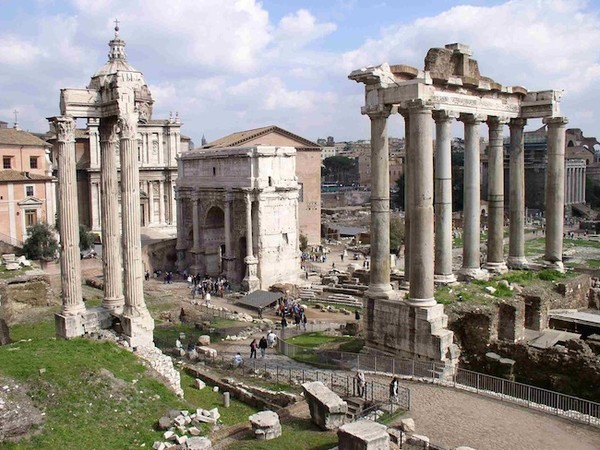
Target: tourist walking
[271, 337]
[361, 383]
[394, 385]
[262, 344]
[253, 346]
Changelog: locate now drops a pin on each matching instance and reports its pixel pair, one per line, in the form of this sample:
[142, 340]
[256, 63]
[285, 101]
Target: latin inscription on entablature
[484, 105]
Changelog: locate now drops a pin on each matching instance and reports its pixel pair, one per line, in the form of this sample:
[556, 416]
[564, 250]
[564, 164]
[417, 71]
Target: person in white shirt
[238, 360]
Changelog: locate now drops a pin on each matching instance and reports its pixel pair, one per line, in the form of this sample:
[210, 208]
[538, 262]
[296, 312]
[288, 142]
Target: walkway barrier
[375, 394]
[540, 399]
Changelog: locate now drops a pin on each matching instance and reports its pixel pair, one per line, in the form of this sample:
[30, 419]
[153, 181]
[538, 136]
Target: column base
[555, 265]
[421, 302]
[250, 283]
[517, 263]
[444, 279]
[473, 273]
[496, 267]
[88, 321]
[397, 329]
[138, 327]
[379, 291]
[114, 304]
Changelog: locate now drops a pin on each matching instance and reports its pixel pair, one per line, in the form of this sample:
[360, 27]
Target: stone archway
[214, 238]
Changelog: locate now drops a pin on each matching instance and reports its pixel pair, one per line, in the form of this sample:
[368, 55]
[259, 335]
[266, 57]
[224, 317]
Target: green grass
[7, 274]
[84, 407]
[316, 339]
[301, 434]
[353, 346]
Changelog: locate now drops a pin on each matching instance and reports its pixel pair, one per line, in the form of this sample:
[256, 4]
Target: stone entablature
[239, 214]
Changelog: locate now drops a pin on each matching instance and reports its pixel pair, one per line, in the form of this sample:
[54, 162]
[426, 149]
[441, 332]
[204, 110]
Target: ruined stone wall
[574, 293]
[160, 255]
[19, 295]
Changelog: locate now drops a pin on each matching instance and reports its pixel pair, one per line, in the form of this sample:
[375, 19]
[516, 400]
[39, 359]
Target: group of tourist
[292, 309]
[208, 286]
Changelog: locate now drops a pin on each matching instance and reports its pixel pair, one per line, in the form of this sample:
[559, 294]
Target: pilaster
[250, 282]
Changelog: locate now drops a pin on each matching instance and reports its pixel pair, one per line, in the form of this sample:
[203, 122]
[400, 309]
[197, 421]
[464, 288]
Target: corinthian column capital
[128, 126]
[379, 112]
[472, 119]
[108, 130]
[517, 122]
[65, 128]
[444, 115]
[556, 121]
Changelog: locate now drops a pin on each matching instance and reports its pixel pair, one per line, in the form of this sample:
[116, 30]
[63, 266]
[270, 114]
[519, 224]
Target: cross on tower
[116, 24]
[16, 113]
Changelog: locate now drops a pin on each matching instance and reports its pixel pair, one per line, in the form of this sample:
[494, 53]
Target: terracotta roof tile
[10, 136]
[15, 175]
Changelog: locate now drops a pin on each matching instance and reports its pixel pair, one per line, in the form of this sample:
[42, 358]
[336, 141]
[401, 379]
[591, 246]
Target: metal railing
[533, 397]
[374, 394]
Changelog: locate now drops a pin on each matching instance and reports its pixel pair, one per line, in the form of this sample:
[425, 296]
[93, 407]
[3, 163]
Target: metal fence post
[478, 383]
[358, 362]
[413, 368]
[375, 363]
[394, 366]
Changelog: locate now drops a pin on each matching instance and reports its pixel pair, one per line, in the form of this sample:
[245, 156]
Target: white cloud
[300, 28]
[17, 52]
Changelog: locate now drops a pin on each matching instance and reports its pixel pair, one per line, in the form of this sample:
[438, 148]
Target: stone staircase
[344, 299]
[310, 292]
[355, 406]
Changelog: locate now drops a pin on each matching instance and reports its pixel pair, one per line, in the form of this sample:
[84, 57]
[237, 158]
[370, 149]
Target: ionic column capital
[379, 112]
[442, 115]
[555, 121]
[517, 122]
[65, 128]
[497, 121]
[418, 105]
[472, 119]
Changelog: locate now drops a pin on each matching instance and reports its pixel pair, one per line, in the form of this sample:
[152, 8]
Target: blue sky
[229, 65]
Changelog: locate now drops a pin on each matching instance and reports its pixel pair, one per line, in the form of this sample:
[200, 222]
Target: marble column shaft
[68, 217]
[421, 290]
[111, 230]
[249, 244]
[472, 196]
[555, 180]
[407, 200]
[443, 197]
[379, 284]
[516, 247]
[495, 253]
[130, 215]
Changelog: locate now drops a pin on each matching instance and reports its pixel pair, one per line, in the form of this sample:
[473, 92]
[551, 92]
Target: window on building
[29, 191]
[6, 162]
[33, 162]
[30, 218]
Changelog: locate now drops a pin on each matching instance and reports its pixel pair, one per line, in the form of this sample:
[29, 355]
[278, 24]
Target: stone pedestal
[327, 409]
[250, 283]
[266, 425]
[394, 327]
[363, 435]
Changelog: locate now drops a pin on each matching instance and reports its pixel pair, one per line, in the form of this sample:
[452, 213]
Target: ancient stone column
[250, 282]
[111, 231]
[161, 202]
[379, 284]
[495, 254]
[421, 237]
[555, 188]
[471, 205]
[443, 197]
[68, 219]
[151, 202]
[228, 253]
[407, 200]
[516, 238]
[136, 321]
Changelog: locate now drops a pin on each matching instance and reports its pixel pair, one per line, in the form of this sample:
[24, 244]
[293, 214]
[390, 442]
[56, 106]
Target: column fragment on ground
[407, 190]
[443, 198]
[69, 320]
[495, 250]
[137, 324]
[555, 188]
[379, 284]
[111, 230]
[472, 198]
[516, 238]
[421, 239]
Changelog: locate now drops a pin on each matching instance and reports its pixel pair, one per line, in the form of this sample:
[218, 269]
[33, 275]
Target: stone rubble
[182, 432]
[327, 409]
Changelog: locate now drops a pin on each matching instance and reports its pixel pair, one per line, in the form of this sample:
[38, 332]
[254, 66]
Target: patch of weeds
[551, 275]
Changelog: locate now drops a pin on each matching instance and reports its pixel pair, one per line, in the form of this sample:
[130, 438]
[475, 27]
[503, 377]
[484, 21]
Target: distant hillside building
[27, 188]
[308, 170]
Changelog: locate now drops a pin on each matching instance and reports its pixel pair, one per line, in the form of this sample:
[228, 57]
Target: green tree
[87, 239]
[398, 195]
[339, 169]
[303, 242]
[40, 243]
[396, 234]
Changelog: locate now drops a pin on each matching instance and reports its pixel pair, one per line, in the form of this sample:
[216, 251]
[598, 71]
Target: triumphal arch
[118, 97]
[238, 210]
[449, 88]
